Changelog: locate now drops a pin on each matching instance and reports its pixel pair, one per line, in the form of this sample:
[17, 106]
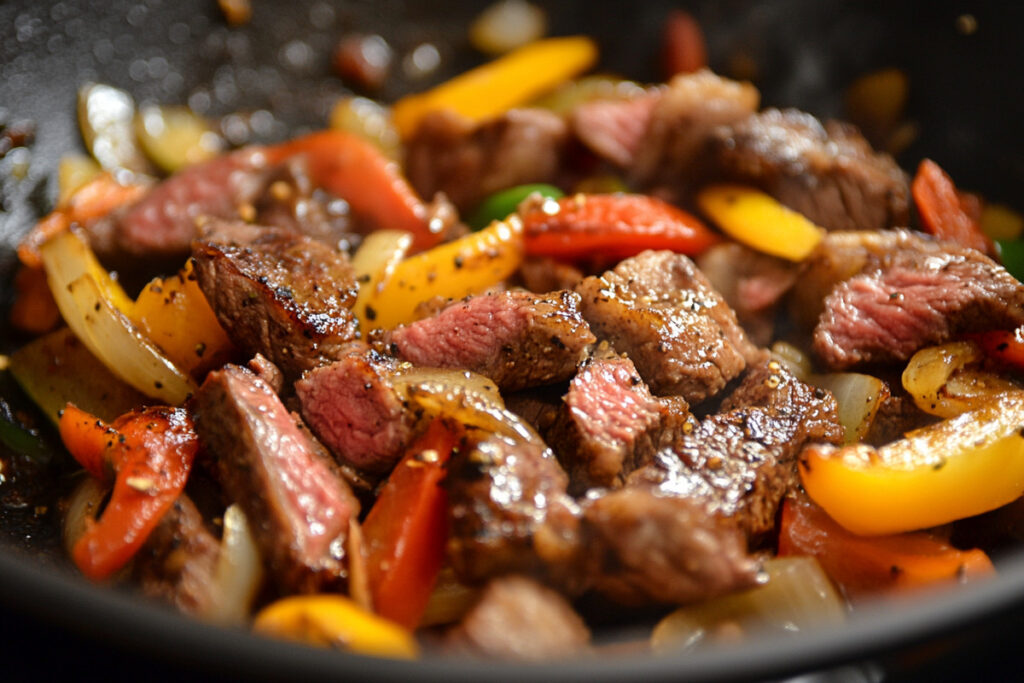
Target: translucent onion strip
[798, 596]
[942, 382]
[858, 398]
[239, 571]
[83, 507]
[94, 317]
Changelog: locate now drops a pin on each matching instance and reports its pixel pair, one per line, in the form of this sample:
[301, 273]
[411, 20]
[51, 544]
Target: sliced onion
[798, 596]
[83, 506]
[239, 571]
[373, 263]
[88, 301]
[858, 398]
[466, 397]
[942, 384]
[175, 137]
[358, 574]
[105, 116]
[795, 360]
[506, 25]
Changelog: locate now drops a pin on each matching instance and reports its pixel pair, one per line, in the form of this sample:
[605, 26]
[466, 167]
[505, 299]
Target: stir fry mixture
[528, 354]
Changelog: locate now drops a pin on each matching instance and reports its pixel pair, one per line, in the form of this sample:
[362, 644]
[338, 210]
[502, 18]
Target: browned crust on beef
[645, 547]
[912, 300]
[829, 173]
[740, 463]
[467, 162]
[661, 311]
[299, 508]
[509, 513]
[279, 294]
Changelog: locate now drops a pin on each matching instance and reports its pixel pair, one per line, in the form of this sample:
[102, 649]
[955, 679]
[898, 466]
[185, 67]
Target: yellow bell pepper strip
[94, 305]
[759, 221]
[493, 88]
[373, 263]
[358, 172]
[407, 527]
[865, 567]
[335, 621]
[160, 310]
[468, 265]
[942, 210]
[57, 368]
[957, 468]
[95, 199]
[1002, 223]
[151, 451]
[610, 225]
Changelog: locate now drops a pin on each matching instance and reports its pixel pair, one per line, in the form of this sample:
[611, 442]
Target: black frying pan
[965, 95]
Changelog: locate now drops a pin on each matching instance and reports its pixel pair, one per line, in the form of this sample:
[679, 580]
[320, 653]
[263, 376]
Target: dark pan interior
[965, 97]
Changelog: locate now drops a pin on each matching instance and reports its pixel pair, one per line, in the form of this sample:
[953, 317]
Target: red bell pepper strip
[865, 566]
[683, 49]
[87, 438]
[1004, 346]
[942, 211]
[406, 529]
[151, 451]
[613, 225]
[359, 173]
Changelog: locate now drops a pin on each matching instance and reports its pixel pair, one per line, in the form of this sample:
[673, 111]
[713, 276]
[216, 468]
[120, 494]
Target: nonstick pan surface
[965, 98]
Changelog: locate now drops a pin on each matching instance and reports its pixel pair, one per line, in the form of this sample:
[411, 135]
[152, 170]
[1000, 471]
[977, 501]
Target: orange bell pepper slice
[372, 184]
[151, 451]
[942, 209]
[864, 566]
[95, 199]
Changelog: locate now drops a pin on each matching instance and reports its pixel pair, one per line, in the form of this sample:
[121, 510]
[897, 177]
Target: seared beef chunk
[614, 128]
[840, 256]
[517, 618]
[298, 506]
[352, 406]
[285, 296]
[517, 339]
[449, 153]
[608, 425]
[178, 562]
[510, 513]
[828, 173]
[738, 464]
[162, 224]
[672, 150]
[541, 274]
[646, 547]
[912, 300]
[752, 283]
[289, 201]
[660, 310]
